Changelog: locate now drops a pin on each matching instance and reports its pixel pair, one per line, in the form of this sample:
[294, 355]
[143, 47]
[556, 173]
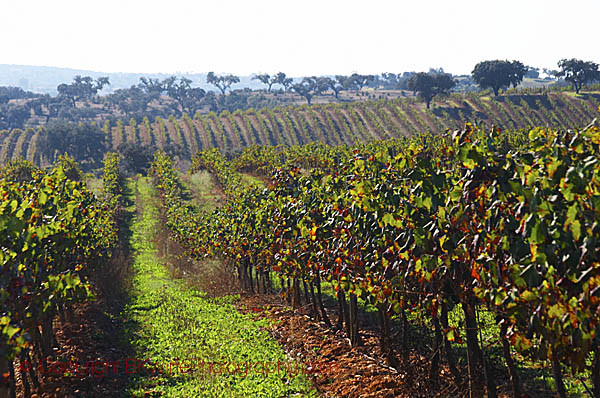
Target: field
[371, 249]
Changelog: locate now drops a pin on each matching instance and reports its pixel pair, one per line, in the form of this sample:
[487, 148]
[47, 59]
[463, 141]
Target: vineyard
[419, 229]
[471, 257]
[55, 234]
[333, 124]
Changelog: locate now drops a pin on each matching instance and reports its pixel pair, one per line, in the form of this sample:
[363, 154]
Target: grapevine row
[55, 233]
[479, 219]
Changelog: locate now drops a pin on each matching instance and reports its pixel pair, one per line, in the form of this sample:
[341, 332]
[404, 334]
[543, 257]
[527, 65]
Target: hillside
[343, 123]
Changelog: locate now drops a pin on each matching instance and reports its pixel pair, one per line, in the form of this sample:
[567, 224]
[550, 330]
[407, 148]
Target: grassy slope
[170, 322]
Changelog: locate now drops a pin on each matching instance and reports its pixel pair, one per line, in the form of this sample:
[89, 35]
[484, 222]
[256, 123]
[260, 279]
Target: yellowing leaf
[528, 295]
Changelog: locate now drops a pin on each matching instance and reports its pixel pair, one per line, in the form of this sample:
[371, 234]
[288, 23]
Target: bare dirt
[340, 370]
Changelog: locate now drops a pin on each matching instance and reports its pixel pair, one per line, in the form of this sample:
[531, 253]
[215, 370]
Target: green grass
[169, 322]
[201, 190]
[95, 185]
[249, 180]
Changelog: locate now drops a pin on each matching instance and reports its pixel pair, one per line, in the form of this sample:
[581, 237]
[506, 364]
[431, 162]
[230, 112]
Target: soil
[337, 369]
[91, 337]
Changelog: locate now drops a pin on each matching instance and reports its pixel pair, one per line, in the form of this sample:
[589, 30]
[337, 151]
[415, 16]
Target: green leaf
[538, 233]
[10, 331]
[388, 219]
[450, 335]
[556, 311]
[42, 198]
[528, 295]
[576, 229]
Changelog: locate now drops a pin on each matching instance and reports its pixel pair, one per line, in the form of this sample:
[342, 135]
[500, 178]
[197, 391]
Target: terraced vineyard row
[334, 124]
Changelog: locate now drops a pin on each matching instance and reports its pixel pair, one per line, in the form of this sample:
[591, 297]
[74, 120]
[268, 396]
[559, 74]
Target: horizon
[268, 37]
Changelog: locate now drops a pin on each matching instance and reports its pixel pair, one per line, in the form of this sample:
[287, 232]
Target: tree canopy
[578, 72]
[308, 88]
[359, 81]
[223, 83]
[280, 78]
[187, 97]
[82, 88]
[428, 85]
[499, 74]
[85, 142]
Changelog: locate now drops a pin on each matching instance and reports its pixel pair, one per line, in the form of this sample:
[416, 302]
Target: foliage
[223, 83]
[70, 167]
[307, 88]
[479, 218]
[19, 170]
[82, 88]
[52, 231]
[429, 85]
[498, 74]
[85, 142]
[578, 72]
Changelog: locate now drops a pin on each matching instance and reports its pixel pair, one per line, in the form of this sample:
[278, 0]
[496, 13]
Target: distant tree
[307, 88]
[10, 93]
[133, 101]
[390, 80]
[49, 107]
[81, 88]
[360, 81]
[265, 79]
[438, 71]
[532, 73]
[578, 72]
[281, 78]
[223, 83]
[428, 85]
[85, 142]
[151, 86]
[551, 74]
[403, 80]
[168, 83]
[187, 97]
[338, 84]
[14, 116]
[323, 84]
[135, 158]
[238, 99]
[346, 82]
[498, 74]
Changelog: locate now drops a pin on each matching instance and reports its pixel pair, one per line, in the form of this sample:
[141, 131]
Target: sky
[300, 38]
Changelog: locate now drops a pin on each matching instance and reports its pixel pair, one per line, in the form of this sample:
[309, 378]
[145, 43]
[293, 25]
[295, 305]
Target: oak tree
[498, 74]
[428, 85]
[578, 72]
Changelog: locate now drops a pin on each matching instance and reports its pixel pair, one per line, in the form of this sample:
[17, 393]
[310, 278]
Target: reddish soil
[340, 370]
[92, 338]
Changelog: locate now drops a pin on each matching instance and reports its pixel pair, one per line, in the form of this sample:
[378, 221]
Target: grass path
[196, 346]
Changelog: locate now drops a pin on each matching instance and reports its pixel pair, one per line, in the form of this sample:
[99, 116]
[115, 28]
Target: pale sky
[300, 38]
